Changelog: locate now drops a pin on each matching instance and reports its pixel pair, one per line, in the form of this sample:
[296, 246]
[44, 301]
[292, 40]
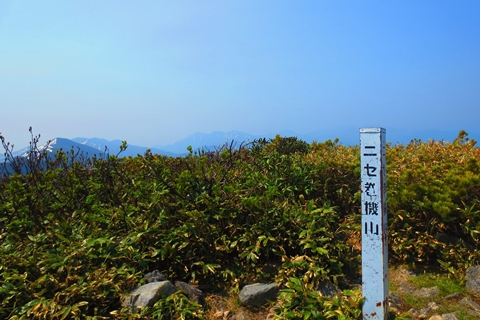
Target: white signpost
[374, 224]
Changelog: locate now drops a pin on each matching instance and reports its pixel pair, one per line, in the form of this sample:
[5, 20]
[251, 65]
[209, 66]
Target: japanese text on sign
[371, 205]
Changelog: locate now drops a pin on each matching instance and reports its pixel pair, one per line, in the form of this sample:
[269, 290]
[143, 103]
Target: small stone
[155, 276]
[406, 274]
[435, 317]
[405, 287]
[453, 296]
[426, 293]
[423, 313]
[450, 316]
[470, 303]
[394, 301]
[433, 306]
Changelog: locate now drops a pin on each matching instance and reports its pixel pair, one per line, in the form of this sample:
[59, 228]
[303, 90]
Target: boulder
[148, 294]
[258, 294]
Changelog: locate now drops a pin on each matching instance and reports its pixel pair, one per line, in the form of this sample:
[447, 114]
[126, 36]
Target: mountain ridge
[113, 147]
[347, 135]
[54, 145]
[208, 141]
[216, 139]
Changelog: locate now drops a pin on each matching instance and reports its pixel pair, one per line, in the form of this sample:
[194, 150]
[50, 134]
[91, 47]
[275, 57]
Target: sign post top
[372, 130]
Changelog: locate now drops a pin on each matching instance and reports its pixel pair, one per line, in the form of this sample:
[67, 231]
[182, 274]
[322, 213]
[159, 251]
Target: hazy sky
[154, 72]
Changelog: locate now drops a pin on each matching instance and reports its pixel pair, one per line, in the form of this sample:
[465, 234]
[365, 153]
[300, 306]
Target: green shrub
[78, 234]
[300, 300]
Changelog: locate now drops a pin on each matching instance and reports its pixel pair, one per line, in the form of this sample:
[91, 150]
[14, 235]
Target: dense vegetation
[77, 234]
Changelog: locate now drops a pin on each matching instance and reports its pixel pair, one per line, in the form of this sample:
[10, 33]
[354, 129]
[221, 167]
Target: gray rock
[329, 289]
[394, 300]
[258, 294]
[155, 276]
[406, 287]
[426, 293]
[406, 274]
[450, 316]
[470, 303]
[473, 279]
[192, 293]
[423, 313]
[453, 296]
[148, 294]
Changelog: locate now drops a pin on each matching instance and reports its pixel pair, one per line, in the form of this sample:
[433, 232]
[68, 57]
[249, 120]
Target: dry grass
[225, 307]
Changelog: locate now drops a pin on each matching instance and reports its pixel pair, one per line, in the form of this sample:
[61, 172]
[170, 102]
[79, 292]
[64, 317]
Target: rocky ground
[413, 295]
[440, 298]
[420, 295]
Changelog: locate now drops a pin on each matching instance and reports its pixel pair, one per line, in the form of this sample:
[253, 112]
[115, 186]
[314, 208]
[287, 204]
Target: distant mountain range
[113, 147]
[57, 144]
[210, 141]
[51, 147]
[216, 139]
[347, 136]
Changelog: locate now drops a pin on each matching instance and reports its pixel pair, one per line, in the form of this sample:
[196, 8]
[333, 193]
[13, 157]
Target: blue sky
[154, 72]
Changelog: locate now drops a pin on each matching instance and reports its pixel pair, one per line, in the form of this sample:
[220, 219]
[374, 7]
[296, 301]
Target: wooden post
[374, 224]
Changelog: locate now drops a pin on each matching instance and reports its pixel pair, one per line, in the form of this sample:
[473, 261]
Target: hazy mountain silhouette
[52, 147]
[113, 147]
[348, 136]
[209, 141]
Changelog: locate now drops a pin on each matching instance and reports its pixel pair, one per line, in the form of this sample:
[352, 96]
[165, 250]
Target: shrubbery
[77, 237]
